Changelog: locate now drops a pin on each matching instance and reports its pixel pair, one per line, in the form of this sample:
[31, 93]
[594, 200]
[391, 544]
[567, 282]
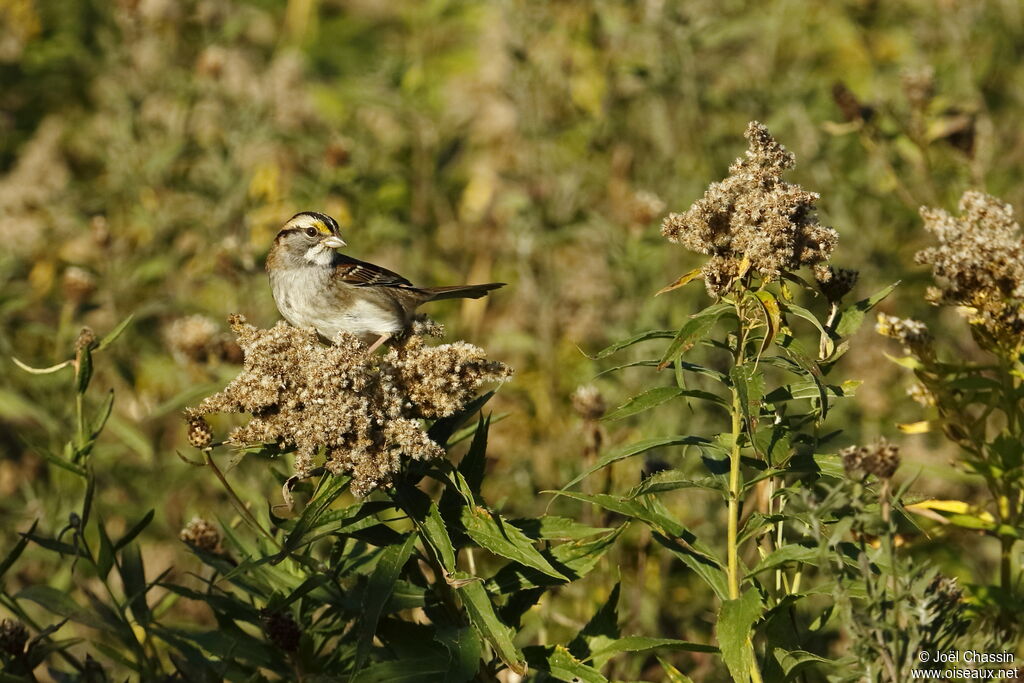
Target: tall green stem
[734, 466]
[735, 485]
[734, 499]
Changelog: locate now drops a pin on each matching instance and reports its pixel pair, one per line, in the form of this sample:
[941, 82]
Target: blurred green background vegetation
[149, 150]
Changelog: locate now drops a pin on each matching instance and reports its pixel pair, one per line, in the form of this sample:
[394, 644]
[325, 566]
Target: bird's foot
[377, 344]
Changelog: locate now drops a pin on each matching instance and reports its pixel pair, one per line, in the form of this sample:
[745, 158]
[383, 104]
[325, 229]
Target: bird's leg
[377, 344]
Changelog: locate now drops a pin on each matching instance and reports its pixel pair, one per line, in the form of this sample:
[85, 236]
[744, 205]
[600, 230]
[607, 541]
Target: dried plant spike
[837, 282]
[201, 534]
[363, 412]
[588, 402]
[912, 334]
[199, 433]
[754, 218]
[881, 459]
[978, 266]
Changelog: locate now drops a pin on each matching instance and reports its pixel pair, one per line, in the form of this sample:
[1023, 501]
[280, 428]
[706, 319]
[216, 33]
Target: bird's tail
[461, 291]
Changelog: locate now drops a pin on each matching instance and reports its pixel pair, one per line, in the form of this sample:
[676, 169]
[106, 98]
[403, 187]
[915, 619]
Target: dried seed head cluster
[197, 338]
[588, 402]
[201, 534]
[978, 265]
[362, 411]
[912, 334]
[837, 282]
[86, 338]
[881, 459]
[78, 284]
[199, 433]
[754, 219]
[440, 380]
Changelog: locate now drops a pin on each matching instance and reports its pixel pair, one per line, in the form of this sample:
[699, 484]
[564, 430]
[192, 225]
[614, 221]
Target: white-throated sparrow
[315, 286]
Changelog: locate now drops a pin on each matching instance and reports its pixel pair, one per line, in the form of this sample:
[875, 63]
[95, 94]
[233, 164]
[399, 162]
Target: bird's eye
[312, 232]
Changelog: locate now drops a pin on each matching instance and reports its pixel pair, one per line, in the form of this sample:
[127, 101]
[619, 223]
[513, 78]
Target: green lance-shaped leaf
[464, 649]
[437, 537]
[736, 620]
[852, 317]
[378, 591]
[474, 463]
[61, 604]
[443, 428]
[681, 281]
[17, 550]
[749, 386]
[635, 449]
[105, 554]
[655, 397]
[794, 662]
[798, 354]
[602, 629]
[485, 620]
[575, 559]
[694, 330]
[329, 488]
[672, 674]
[83, 371]
[112, 336]
[772, 315]
[787, 554]
[407, 670]
[100, 421]
[553, 528]
[645, 644]
[802, 390]
[703, 565]
[673, 480]
[828, 345]
[559, 664]
[635, 339]
[134, 531]
[133, 575]
[491, 531]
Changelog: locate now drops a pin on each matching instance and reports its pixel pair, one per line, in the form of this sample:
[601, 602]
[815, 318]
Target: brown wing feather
[363, 274]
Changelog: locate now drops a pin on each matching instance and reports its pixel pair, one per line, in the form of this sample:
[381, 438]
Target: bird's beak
[334, 242]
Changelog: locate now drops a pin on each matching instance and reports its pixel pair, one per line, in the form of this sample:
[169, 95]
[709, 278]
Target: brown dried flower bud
[588, 402]
[199, 433]
[281, 629]
[753, 218]
[194, 338]
[837, 283]
[201, 534]
[86, 338]
[645, 206]
[881, 459]
[912, 334]
[363, 412]
[13, 637]
[78, 284]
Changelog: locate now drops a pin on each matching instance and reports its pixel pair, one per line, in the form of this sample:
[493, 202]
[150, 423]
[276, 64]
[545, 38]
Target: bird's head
[308, 237]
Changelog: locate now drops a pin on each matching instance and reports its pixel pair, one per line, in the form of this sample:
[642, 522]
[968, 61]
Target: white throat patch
[320, 255]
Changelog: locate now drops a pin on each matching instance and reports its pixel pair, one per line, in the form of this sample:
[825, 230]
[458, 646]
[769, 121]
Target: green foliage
[150, 149]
